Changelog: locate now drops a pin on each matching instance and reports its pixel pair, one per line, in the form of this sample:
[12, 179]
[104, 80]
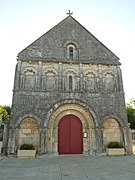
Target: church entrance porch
[67, 124]
[70, 135]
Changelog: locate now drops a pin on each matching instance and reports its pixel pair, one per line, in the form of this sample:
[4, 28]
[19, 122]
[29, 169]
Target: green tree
[3, 114]
[8, 109]
[131, 113]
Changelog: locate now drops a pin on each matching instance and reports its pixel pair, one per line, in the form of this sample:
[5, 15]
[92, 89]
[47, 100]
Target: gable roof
[51, 45]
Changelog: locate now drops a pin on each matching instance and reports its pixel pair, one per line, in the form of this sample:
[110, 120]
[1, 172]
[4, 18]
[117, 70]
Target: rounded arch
[69, 42]
[76, 108]
[71, 45]
[51, 71]
[111, 72]
[29, 70]
[120, 121]
[28, 132]
[28, 116]
[71, 71]
[91, 73]
[71, 50]
[86, 115]
[112, 130]
[110, 82]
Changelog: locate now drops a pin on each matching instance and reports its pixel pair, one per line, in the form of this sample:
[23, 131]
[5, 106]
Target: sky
[23, 21]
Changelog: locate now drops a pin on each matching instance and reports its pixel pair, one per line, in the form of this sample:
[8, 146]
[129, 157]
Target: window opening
[70, 52]
[70, 83]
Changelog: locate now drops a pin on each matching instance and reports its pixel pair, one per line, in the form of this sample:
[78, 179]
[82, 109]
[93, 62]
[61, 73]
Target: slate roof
[51, 45]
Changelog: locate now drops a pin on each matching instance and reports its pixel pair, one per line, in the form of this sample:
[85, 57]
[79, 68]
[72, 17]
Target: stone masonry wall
[39, 85]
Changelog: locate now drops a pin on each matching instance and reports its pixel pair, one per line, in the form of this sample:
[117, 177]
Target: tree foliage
[8, 109]
[131, 113]
[4, 113]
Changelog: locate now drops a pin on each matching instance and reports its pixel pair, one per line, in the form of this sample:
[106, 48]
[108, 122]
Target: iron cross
[69, 13]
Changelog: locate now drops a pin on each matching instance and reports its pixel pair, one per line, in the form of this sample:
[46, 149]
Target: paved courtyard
[71, 167]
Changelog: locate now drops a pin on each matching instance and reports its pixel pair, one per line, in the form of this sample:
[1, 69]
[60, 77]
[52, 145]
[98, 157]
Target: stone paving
[71, 167]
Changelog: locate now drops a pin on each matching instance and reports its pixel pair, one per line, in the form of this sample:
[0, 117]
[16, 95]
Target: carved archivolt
[90, 73]
[50, 72]
[58, 112]
[90, 79]
[28, 78]
[50, 79]
[76, 109]
[70, 71]
[109, 81]
[29, 71]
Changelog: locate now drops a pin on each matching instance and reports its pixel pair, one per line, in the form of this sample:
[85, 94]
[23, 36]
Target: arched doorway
[70, 139]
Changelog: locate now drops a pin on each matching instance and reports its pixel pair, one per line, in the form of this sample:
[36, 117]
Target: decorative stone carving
[42, 89]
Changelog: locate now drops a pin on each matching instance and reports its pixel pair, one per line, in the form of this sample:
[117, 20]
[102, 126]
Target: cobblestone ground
[71, 167]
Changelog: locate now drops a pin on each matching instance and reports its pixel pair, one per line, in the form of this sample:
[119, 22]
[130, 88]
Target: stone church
[68, 95]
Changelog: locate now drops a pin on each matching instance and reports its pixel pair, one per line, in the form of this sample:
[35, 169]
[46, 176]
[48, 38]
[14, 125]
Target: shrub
[115, 144]
[27, 147]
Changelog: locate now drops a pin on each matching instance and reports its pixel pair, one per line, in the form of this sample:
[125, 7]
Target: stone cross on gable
[69, 13]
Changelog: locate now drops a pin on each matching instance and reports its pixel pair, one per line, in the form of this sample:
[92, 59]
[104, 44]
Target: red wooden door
[70, 139]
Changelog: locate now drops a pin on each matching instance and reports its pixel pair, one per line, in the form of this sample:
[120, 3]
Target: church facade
[68, 95]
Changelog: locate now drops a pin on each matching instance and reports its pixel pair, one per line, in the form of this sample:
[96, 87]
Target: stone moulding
[115, 151]
[26, 153]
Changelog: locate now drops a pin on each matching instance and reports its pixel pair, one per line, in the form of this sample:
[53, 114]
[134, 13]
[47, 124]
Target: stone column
[42, 141]
[16, 139]
[39, 76]
[90, 142]
[11, 142]
[60, 77]
[85, 141]
[5, 137]
[51, 143]
[17, 76]
[48, 147]
[99, 140]
[95, 142]
[101, 148]
[100, 78]
[120, 79]
[130, 148]
[81, 77]
[55, 140]
[127, 140]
